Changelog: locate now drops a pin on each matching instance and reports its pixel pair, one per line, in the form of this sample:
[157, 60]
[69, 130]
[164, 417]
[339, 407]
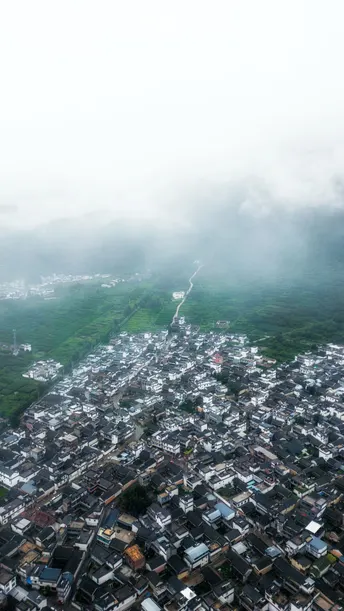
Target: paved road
[187, 293]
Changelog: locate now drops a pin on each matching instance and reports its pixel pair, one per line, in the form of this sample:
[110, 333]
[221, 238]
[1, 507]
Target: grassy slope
[64, 329]
[151, 320]
[283, 318]
[295, 317]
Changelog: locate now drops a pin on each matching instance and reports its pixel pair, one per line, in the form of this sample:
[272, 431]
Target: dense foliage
[156, 312]
[65, 329]
[135, 500]
[283, 317]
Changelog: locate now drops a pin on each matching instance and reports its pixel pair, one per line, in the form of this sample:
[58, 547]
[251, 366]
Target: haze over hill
[149, 135]
[224, 235]
[162, 122]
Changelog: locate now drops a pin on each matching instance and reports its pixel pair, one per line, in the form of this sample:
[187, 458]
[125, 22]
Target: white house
[197, 556]
[7, 581]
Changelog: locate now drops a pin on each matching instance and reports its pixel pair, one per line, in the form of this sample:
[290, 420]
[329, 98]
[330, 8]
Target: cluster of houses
[43, 371]
[238, 461]
[19, 289]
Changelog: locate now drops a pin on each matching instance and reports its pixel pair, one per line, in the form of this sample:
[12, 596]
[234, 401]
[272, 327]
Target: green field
[142, 320]
[65, 329]
[146, 319]
[283, 318]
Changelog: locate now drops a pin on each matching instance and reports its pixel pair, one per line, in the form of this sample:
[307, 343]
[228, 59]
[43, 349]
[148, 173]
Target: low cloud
[8, 209]
[129, 109]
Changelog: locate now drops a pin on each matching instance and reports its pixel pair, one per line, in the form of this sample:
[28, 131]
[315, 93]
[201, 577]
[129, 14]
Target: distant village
[178, 471]
[19, 289]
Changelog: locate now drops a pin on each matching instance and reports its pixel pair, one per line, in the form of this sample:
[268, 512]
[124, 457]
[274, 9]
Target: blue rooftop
[198, 550]
[273, 551]
[214, 514]
[318, 543]
[49, 574]
[224, 510]
[68, 576]
[28, 488]
[112, 518]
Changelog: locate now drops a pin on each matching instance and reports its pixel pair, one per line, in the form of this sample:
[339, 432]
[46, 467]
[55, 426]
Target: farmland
[283, 318]
[65, 329]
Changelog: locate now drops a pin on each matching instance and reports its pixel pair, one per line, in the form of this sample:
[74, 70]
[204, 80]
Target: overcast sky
[116, 104]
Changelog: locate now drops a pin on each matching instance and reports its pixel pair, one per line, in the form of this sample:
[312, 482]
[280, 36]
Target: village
[178, 470]
[45, 289]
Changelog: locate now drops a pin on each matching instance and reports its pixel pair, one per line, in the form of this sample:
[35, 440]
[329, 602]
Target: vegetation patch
[65, 329]
[135, 500]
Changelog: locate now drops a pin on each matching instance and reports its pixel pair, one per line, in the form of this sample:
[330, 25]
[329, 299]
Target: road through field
[186, 294]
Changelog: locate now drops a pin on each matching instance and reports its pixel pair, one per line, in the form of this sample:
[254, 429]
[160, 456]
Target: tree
[222, 376]
[135, 500]
[316, 418]
[14, 419]
[299, 420]
[187, 406]
[199, 401]
[234, 388]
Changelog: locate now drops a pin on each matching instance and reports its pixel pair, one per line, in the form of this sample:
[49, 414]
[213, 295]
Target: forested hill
[226, 238]
[65, 329]
[277, 277]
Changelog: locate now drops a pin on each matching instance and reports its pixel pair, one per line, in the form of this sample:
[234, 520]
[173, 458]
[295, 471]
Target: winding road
[186, 294]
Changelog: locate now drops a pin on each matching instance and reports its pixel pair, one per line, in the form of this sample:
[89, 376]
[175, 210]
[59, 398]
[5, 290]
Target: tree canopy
[135, 500]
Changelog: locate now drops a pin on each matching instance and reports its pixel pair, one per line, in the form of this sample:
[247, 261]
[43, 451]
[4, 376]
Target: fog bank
[134, 108]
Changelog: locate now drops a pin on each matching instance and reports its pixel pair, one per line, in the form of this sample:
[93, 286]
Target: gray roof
[195, 551]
